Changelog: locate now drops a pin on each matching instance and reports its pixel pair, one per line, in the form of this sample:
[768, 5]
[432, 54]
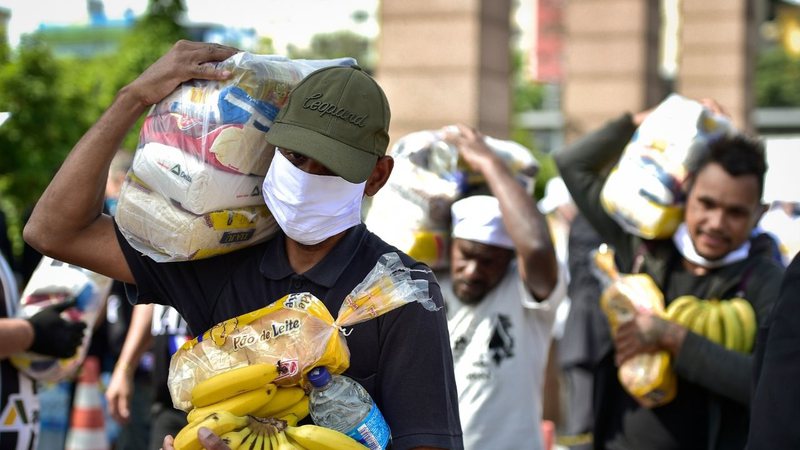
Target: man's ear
[379, 176]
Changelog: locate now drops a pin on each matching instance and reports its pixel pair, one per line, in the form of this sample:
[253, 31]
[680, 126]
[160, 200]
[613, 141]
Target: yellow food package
[648, 376]
[296, 332]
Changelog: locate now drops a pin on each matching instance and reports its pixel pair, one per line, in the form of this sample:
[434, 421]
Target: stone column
[717, 54]
[446, 61]
[611, 61]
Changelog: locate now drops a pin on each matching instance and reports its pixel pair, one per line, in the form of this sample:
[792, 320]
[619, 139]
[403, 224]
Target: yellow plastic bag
[297, 332]
[648, 377]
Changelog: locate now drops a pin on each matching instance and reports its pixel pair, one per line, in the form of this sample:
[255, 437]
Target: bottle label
[373, 431]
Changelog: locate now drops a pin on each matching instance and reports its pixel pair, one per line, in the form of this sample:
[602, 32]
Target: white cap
[477, 218]
[555, 195]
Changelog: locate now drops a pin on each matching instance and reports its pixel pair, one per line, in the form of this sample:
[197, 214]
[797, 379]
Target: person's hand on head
[471, 146]
[52, 334]
[185, 61]
[714, 106]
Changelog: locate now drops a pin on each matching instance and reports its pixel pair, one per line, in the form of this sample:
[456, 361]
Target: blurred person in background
[45, 333]
[160, 330]
[501, 295]
[775, 407]
[711, 256]
[782, 221]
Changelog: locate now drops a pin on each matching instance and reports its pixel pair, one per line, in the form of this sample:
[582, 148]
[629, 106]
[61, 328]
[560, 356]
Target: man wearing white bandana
[713, 255]
[502, 293]
[331, 136]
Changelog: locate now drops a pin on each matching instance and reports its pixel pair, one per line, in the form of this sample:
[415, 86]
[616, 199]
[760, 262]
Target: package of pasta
[294, 334]
[648, 377]
[203, 147]
[644, 192]
[56, 282]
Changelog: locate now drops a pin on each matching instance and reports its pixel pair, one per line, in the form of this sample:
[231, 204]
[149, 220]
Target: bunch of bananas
[256, 433]
[248, 410]
[730, 323]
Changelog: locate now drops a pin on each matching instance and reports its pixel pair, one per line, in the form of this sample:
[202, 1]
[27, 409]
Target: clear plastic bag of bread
[296, 333]
[648, 377]
[54, 282]
[202, 155]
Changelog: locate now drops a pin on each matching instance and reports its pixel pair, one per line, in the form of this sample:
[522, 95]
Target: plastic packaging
[656, 162]
[648, 377]
[340, 403]
[412, 211]
[203, 153]
[296, 332]
[54, 282]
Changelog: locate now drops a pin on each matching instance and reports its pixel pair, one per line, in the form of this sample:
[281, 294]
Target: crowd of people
[472, 374]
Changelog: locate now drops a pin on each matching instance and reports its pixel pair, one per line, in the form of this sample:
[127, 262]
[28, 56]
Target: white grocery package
[172, 233]
[644, 193]
[54, 282]
[203, 150]
[412, 211]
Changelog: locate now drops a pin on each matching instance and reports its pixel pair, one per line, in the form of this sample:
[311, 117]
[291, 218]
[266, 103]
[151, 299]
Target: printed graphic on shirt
[17, 418]
[499, 346]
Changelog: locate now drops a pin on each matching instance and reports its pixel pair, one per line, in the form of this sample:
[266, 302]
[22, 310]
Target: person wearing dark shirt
[711, 256]
[332, 137]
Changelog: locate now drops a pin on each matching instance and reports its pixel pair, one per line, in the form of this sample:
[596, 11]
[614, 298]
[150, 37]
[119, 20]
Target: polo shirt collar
[275, 263]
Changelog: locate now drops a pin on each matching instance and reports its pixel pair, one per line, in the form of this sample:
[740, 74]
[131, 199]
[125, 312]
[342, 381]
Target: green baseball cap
[338, 116]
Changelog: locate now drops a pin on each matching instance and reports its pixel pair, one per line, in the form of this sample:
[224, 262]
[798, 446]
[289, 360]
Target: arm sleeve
[727, 372]
[417, 383]
[584, 166]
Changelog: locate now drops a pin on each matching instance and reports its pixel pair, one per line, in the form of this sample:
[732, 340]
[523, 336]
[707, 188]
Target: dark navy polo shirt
[402, 358]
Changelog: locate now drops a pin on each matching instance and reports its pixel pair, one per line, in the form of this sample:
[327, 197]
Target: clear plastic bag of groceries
[648, 377]
[296, 332]
[412, 211]
[54, 282]
[202, 150]
[656, 161]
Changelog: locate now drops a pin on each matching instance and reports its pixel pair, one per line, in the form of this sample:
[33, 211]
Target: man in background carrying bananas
[333, 135]
[502, 293]
[713, 258]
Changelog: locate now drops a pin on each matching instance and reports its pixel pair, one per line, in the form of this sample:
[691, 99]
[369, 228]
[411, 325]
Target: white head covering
[477, 218]
[555, 195]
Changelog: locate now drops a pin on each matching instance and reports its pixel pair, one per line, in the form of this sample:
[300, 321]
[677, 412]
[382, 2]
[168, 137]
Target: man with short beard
[711, 256]
[501, 294]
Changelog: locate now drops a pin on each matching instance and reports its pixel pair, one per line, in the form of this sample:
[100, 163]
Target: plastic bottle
[340, 403]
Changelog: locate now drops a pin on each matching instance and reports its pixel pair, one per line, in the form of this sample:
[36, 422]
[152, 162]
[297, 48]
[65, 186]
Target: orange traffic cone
[87, 429]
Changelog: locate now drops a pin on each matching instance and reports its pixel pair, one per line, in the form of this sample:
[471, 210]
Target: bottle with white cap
[340, 403]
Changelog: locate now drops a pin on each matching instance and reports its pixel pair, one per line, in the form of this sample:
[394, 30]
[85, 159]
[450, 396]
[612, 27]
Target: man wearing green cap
[331, 137]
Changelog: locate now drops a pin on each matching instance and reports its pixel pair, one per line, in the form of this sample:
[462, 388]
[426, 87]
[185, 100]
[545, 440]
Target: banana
[233, 382]
[299, 410]
[249, 443]
[220, 422]
[284, 443]
[713, 324]
[734, 339]
[262, 442]
[240, 405]
[273, 442]
[747, 318]
[313, 437]
[284, 398]
[677, 305]
[697, 321]
[234, 439]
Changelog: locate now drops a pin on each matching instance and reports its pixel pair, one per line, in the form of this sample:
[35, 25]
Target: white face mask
[310, 208]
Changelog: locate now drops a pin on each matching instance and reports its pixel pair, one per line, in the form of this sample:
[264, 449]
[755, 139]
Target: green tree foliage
[776, 80]
[54, 101]
[338, 44]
